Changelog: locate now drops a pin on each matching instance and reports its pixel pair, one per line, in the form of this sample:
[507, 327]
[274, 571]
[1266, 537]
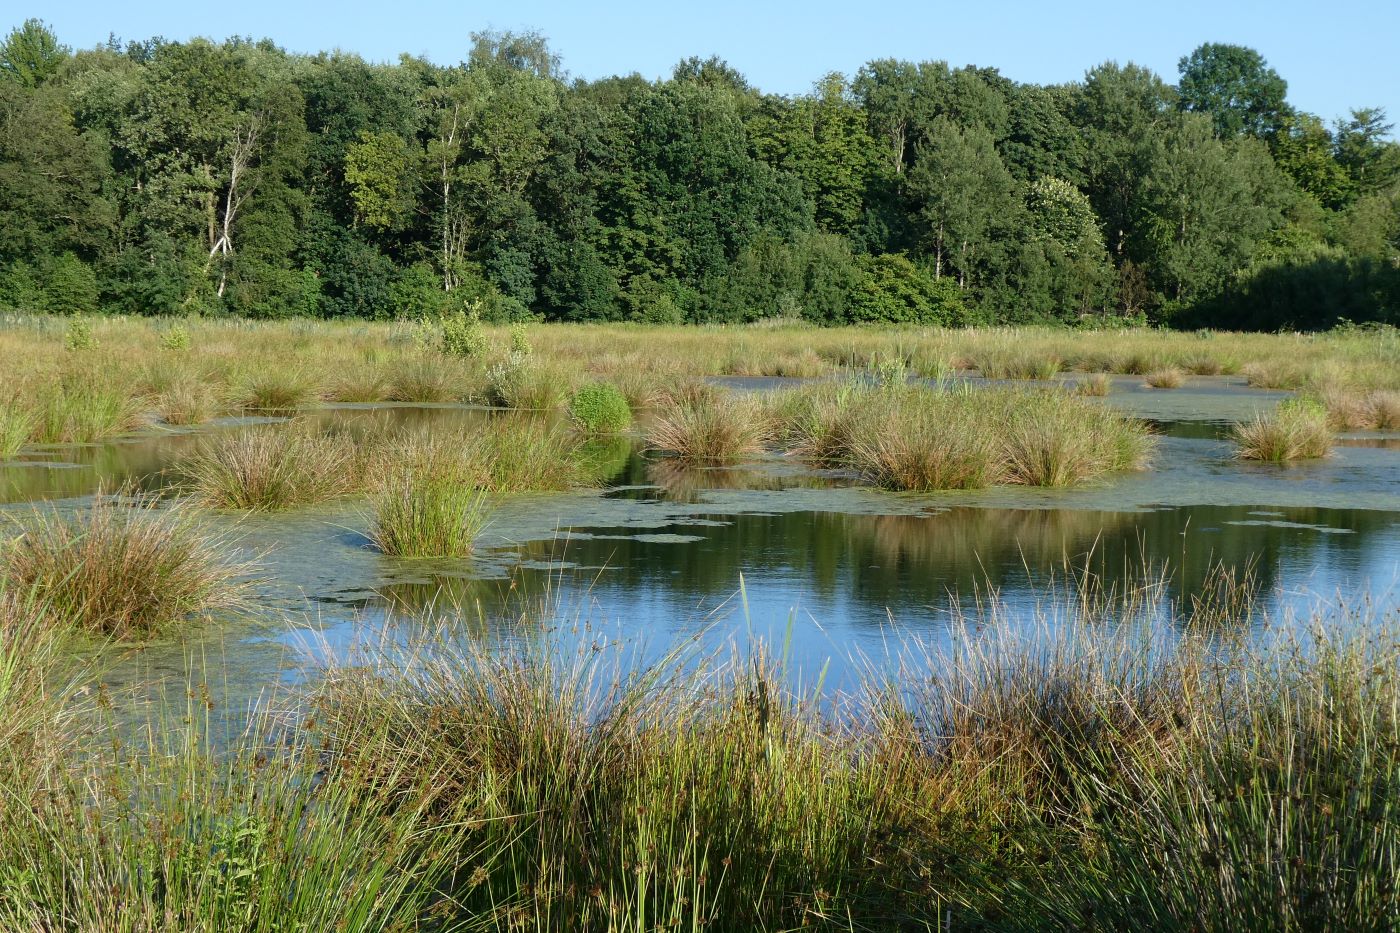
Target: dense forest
[196, 177]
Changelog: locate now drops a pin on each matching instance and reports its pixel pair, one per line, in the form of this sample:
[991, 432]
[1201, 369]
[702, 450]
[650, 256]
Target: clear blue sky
[1334, 55]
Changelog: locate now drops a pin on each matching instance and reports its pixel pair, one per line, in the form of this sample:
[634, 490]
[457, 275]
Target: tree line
[161, 177]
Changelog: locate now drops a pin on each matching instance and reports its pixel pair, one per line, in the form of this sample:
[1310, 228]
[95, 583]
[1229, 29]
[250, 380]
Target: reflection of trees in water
[889, 561]
[679, 481]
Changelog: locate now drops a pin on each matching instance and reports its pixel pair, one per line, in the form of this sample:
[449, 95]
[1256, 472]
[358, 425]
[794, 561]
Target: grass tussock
[81, 409]
[186, 402]
[922, 439]
[1169, 378]
[16, 428]
[123, 567]
[268, 469]
[425, 379]
[1295, 430]
[709, 425]
[1095, 385]
[433, 507]
[275, 390]
[1350, 410]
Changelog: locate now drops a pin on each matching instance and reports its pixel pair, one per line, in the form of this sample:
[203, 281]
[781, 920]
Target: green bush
[462, 334]
[599, 408]
[176, 337]
[79, 335]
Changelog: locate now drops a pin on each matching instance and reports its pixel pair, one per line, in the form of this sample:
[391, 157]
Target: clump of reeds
[919, 441]
[80, 409]
[709, 425]
[430, 502]
[124, 567]
[1096, 385]
[1009, 363]
[187, 401]
[276, 390]
[1006, 782]
[922, 439]
[269, 468]
[1351, 409]
[424, 378]
[1296, 430]
[1168, 378]
[16, 428]
[1054, 439]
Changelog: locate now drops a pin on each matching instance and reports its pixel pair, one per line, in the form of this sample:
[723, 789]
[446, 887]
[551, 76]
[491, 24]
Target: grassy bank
[1035, 782]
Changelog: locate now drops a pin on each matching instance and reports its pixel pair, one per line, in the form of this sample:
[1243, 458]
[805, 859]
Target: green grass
[16, 428]
[269, 468]
[431, 506]
[1296, 430]
[123, 567]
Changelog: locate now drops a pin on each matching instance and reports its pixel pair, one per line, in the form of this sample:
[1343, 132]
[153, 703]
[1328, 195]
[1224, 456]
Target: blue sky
[1334, 55]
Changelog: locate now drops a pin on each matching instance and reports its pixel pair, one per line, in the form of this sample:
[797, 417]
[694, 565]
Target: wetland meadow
[447, 626]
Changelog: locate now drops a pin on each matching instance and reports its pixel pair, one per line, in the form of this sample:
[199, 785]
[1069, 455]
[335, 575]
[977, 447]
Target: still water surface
[843, 575]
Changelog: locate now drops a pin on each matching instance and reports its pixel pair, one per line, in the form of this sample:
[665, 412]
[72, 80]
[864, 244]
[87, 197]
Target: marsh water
[841, 576]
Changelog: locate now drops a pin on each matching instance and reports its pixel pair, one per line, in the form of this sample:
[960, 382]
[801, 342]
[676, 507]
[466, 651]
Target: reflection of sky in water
[838, 569]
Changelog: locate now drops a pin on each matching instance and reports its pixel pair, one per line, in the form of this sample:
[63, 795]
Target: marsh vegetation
[1145, 737]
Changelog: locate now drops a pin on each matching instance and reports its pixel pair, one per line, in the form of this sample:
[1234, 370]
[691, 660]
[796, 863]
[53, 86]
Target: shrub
[520, 340]
[123, 568]
[79, 335]
[269, 469]
[462, 334]
[599, 408]
[1297, 430]
[894, 290]
[175, 338]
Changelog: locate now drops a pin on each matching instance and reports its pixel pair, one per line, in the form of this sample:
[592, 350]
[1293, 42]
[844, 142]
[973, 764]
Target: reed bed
[922, 439]
[1030, 777]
